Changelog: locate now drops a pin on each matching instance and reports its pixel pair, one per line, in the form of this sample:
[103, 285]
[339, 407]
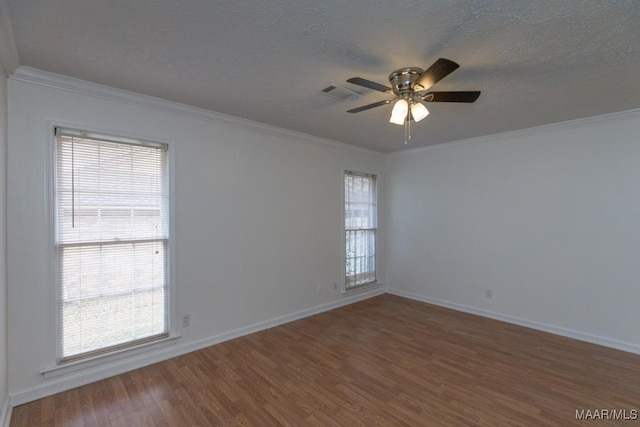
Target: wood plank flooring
[386, 361]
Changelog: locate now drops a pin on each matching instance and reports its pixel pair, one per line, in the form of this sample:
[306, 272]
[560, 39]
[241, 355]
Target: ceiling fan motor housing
[402, 80]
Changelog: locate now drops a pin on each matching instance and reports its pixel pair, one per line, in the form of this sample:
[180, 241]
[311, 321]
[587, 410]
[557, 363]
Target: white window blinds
[360, 215]
[111, 243]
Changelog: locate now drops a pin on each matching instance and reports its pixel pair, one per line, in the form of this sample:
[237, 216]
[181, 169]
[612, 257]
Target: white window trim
[52, 364]
[99, 359]
[376, 283]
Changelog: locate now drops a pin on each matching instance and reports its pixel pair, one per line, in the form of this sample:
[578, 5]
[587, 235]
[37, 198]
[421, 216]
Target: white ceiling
[535, 61]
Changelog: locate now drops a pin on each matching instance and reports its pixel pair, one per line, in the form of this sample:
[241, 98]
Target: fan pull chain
[407, 130]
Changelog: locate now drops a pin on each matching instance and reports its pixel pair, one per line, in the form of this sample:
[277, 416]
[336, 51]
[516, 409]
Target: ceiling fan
[409, 85]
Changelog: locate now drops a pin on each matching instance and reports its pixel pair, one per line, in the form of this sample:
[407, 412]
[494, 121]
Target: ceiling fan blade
[439, 70]
[462, 96]
[369, 84]
[369, 106]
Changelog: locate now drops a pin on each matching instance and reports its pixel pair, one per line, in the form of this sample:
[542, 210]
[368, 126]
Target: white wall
[257, 219]
[3, 265]
[547, 218]
[9, 60]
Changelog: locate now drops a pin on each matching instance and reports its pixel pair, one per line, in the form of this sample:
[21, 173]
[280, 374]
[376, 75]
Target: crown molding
[9, 59]
[83, 87]
[569, 124]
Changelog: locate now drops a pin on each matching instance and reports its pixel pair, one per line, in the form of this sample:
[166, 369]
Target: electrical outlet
[488, 293]
[335, 286]
[186, 320]
[319, 288]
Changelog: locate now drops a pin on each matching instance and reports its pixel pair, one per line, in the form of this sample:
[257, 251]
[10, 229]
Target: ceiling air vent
[340, 93]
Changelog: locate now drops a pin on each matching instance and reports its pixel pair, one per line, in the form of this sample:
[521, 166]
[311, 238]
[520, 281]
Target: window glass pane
[112, 240]
[360, 258]
[108, 191]
[360, 229]
[360, 207]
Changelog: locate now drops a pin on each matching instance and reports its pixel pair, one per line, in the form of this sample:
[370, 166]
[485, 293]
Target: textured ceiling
[536, 62]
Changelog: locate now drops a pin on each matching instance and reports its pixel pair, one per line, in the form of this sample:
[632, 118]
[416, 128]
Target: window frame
[54, 366]
[376, 230]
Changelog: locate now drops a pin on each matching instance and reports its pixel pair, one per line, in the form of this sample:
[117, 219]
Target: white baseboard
[5, 415]
[569, 333]
[77, 379]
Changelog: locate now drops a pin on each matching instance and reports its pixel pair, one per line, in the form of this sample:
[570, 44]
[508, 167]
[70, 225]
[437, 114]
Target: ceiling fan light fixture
[407, 85]
[418, 111]
[399, 112]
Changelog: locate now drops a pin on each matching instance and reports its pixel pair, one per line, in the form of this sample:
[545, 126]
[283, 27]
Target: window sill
[364, 286]
[70, 367]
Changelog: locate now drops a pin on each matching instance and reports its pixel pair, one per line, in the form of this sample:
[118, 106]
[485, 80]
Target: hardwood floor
[386, 361]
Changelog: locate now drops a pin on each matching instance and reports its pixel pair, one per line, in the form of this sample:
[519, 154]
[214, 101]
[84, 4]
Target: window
[360, 229]
[112, 234]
